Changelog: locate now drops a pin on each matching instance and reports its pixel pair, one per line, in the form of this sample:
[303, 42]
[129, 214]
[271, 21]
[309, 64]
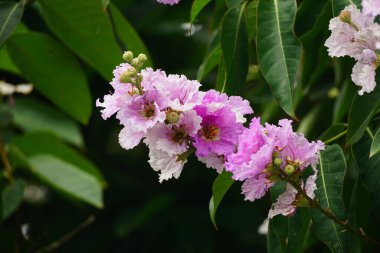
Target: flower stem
[335, 137]
[5, 160]
[345, 224]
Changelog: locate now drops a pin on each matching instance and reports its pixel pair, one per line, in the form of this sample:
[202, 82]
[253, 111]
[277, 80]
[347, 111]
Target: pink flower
[256, 187]
[219, 131]
[371, 7]
[171, 2]
[363, 75]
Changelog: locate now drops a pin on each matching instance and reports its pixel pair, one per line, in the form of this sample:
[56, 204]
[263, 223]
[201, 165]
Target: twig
[336, 137]
[52, 246]
[315, 204]
[5, 160]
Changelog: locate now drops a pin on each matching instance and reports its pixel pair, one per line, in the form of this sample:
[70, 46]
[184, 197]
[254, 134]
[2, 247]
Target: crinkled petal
[363, 75]
[255, 187]
[129, 139]
[168, 165]
[284, 204]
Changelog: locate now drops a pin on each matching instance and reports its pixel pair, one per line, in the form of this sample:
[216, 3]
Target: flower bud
[289, 169]
[277, 162]
[275, 154]
[136, 63]
[172, 117]
[142, 58]
[345, 16]
[128, 56]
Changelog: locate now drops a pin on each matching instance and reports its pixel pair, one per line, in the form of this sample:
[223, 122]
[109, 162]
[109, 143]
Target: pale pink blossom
[363, 75]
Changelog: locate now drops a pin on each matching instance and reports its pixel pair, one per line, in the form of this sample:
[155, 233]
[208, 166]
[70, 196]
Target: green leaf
[85, 28]
[331, 172]
[233, 3]
[278, 49]
[12, 197]
[344, 100]
[211, 61]
[10, 16]
[333, 132]
[251, 14]
[298, 227]
[369, 171]
[6, 63]
[273, 242]
[235, 48]
[196, 8]
[220, 187]
[127, 34]
[279, 223]
[338, 5]
[363, 108]
[67, 178]
[32, 115]
[35, 143]
[308, 14]
[375, 146]
[54, 72]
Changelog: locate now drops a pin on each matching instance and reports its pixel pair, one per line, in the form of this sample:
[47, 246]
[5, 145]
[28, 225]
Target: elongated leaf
[10, 16]
[6, 63]
[278, 49]
[273, 242]
[221, 185]
[279, 223]
[251, 14]
[329, 182]
[85, 28]
[127, 34]
[53, 71]
[338, 5]
[41, 142]
[67, 178]
[375, 146]
[333, 132]
[344, 101]
[12, 197]
[31, 115]
[369, 170]
[298, 227]
[196, 8]
[210, 62]
[308, 15]
[362, 110]
[234, 41]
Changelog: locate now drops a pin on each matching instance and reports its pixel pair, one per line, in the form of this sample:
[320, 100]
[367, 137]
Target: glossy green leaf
[6, 63]
[308, 14]
[54, 72]
[128, 35]
[375, 146]
[220, 187]
[11, 197]
[32, 115]
[196, 8]
[362, 110]
[85, 28]
[298, 227]
[278, 49]
[279, 223]
[331, 172]
[273, 242]
[10, 16]
[67, 179]
[235, 48]
[35, 143]
[233, 3]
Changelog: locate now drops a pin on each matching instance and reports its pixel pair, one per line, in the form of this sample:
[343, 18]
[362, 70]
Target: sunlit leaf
[67, 179]
[54, 71]
[375, 146]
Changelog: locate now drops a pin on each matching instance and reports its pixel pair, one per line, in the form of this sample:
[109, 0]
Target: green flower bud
[277, 162]
[275, 154]
[172, 117]
[289, 169]
[142, 58]
[345, 16]
[128, 56]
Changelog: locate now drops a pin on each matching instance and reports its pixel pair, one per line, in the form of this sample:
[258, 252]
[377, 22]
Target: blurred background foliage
[74, 189]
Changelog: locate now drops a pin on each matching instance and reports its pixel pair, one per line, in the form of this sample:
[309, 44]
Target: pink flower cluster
[266, 152]
[170, 2]
[175, 119]
[355, 34]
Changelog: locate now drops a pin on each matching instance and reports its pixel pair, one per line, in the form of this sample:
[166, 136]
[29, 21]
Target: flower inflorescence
[175, 119]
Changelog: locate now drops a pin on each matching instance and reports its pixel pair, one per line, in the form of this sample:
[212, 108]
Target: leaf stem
[5, 160]
[335, 137]
[315, 204]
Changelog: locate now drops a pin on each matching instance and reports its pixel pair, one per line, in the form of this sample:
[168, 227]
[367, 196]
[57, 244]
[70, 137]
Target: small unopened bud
[345, 16]
[172, 117]
[275, 155]
[277, 162]
[127, 76]
[289, 169]
[142, 58]
[128, 56]
[136, 63]
[269, 169]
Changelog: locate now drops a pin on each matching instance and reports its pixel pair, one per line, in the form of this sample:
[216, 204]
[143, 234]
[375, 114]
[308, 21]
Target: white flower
[363, 75]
